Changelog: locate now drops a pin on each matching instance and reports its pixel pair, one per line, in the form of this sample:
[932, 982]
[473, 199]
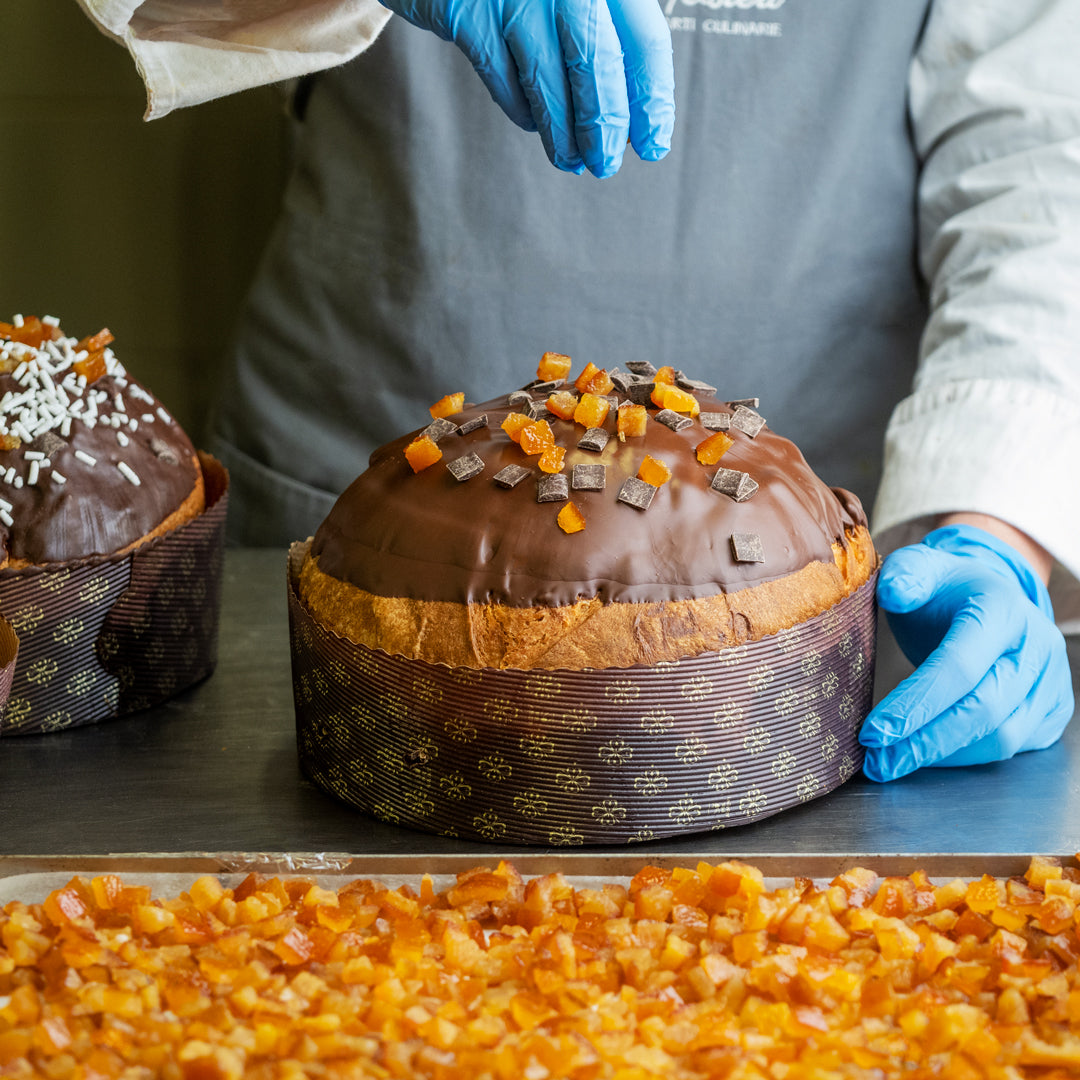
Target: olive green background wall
[152, 229]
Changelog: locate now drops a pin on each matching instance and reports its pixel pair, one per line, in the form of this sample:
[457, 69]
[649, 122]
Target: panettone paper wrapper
[604, 756]
[104, 637]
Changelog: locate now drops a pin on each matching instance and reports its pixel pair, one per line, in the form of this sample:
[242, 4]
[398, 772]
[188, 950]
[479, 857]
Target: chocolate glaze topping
[426, 536]
[96, 509]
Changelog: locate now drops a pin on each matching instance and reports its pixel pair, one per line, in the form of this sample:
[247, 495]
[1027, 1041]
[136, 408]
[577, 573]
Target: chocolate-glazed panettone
[477, 572]
[91, 463]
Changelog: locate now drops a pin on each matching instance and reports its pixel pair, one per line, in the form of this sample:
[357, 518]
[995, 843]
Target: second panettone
[466, 562]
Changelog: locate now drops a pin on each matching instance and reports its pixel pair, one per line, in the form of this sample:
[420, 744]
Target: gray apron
[426, 246]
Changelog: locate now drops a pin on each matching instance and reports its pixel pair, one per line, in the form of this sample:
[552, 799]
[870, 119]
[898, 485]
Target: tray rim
[529, 864]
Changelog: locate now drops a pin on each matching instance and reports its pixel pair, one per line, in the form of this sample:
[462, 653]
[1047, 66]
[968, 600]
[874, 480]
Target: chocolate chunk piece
[675, 421]
[621, 381]
[715, 421]
[636, 493]
[439, 429]
[518, 399]
[164, 451]
[552, 488]
[465, 468]
[739, 485]
[695, 386]
[544, 386]
[589, 477]
[536, 410]
[749, 402]
[640, 393]
[641, 367]
[747, 420]
[48, 443]
[511, 476]
[474, 424]
[596, 438]
[746, 547]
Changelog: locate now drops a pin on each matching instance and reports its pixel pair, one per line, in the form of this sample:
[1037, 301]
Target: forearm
[1036, 554]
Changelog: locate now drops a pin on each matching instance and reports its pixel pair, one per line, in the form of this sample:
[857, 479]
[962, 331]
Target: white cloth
[993, 422]
[191, 51]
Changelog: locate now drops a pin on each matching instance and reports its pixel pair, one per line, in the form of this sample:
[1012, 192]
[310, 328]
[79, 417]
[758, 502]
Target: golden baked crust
[590, 633]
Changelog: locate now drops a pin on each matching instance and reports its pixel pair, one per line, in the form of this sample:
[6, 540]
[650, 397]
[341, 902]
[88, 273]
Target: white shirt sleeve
[993, 422]
[190, 51]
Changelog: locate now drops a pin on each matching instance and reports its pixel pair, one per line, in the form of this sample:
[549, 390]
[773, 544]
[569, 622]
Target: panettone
[91, 463]
[111, 534]
[453, 565]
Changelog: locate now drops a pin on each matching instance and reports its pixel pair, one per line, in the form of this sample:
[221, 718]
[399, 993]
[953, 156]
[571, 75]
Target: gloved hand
[991, 679]
[581, 72]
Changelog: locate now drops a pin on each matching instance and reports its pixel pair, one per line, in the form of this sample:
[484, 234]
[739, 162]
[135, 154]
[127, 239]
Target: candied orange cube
[64, 906]
[514, 424]
[709, 451]
[95, 342]
[666, 396]
[600, 383]
[581, 383]
[448, 405]
[536, 437]
[1042, 869]
[591, 410]
[653, 471]
[562, 404]
[631, 420]
[551, 460]
[91, 367]
[570, 519]
[421, 453]
[553, 366]
[665, 374]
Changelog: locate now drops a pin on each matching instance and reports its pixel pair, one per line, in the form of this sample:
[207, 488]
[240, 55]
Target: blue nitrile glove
[991, 679]
[584, 73]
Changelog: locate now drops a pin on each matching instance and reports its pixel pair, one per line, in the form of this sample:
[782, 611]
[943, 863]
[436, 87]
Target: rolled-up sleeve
[993, 420]
[191, 51]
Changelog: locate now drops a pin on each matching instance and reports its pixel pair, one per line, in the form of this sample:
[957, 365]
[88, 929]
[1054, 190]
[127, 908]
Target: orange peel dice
[562, 404]
[591, 411]
[551, 460]
[631, 420]
[653, 471]
[514, 424]
[600, 384]
[687, 972]
[536, 437]
[665, 396]
[448, 405]
[421, 453]
[553, 366]
[571, 519]
[709, 451]
[581, 383]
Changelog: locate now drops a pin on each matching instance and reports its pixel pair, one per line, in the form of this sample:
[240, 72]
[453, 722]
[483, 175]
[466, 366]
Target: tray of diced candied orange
[211, 966]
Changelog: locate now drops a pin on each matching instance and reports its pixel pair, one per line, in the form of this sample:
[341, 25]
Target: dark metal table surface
[215, 770]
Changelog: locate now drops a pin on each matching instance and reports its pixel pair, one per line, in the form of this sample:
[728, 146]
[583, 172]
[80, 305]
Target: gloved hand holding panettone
[586, 74]
[992, 677]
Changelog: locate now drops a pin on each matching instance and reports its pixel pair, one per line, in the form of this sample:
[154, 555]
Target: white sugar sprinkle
[129, 472]
[9, 475]
[32, 476]
[16, 320]
[147, 417]
[4, 504]
[50, 320]
[33, 455]
[121, 438]
[18, 481]
[6, 518]
[60, 478]
[82, 455]
[164, 415]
